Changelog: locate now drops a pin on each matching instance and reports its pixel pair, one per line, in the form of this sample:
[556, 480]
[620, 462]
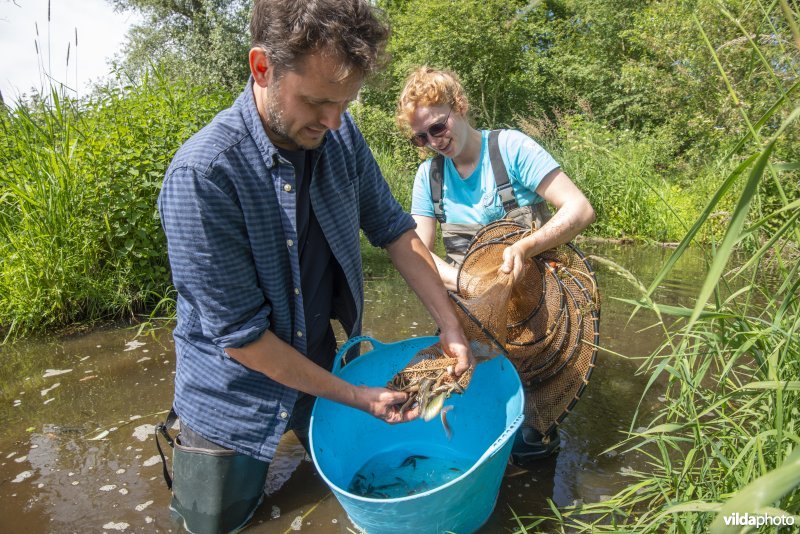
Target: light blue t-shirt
[474, 199]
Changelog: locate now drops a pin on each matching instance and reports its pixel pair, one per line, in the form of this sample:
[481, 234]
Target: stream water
[77, 452]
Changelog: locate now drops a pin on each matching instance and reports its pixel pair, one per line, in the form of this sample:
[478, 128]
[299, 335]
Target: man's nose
[331, 116]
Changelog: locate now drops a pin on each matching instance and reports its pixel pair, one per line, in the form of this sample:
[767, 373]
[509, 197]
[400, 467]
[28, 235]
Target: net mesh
[430, 363]
[547, 324]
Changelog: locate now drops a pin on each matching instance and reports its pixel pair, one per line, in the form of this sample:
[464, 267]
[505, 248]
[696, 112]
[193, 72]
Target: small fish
[403, 483]
[408, 404]
[423, 396]
[420, 488]
[447, 430]
[412, 460]
[433, 406]
[387, 486]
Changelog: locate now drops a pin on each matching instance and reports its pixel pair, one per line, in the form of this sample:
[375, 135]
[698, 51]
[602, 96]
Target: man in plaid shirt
[262, 210]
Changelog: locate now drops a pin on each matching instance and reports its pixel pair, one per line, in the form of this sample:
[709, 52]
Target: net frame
[590, 342]
[556, 364]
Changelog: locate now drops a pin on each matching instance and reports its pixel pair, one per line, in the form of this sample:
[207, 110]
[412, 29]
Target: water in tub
[408, 471]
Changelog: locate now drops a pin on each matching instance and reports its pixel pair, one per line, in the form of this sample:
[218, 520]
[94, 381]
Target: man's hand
[385, 404]
[455, 345]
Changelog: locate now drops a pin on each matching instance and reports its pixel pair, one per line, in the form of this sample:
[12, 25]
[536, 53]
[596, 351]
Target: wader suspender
[163, 429]
[504, 188]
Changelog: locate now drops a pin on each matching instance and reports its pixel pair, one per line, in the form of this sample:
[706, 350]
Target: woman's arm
[573, 214]
[426, 230]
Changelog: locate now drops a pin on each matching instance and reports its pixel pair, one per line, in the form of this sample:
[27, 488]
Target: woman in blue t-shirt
[432, 110]
[477, 177]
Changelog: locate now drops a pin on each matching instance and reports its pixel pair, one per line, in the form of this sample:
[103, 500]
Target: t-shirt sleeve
[527, 160]
[421, 201]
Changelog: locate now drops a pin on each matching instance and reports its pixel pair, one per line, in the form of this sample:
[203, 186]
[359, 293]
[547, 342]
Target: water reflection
[53, 478]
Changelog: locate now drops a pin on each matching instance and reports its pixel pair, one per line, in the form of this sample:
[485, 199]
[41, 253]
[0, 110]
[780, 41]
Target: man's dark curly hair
[351, 31]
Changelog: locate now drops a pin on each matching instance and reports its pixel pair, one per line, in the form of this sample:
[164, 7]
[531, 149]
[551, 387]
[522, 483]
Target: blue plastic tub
[483, 422]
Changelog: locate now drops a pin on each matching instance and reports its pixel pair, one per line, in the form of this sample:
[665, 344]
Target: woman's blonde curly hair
[427, 86]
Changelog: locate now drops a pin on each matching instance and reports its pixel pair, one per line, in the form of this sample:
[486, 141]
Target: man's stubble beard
[275, 124]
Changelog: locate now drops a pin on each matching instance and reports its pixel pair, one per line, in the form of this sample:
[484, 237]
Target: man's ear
[260, 66]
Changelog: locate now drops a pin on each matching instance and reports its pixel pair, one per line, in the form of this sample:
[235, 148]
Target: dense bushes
[630, 98]
[79, 233]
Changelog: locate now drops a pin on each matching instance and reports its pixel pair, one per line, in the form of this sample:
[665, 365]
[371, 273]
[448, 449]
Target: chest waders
[529, 444]
[457, 236]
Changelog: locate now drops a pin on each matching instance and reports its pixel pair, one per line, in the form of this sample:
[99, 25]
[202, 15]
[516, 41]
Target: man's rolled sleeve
[212, 267]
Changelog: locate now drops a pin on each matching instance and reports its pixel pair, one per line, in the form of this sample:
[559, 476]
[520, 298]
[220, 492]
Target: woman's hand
[513, 262]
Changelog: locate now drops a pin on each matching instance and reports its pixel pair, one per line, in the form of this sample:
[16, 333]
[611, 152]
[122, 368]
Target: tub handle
[492, 451]
[338, 361]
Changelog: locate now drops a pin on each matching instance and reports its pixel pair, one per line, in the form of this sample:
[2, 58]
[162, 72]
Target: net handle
[454, 298]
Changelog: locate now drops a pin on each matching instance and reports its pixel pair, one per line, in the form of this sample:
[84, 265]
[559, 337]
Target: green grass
[635, 187]
[80, 238]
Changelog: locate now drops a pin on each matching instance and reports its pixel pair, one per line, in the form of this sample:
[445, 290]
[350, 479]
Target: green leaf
[663, 428]
[690, 235]
[676, 311]
[738, 219]
[786, 166]
[694, 506]
[760, 493]
[785, 385]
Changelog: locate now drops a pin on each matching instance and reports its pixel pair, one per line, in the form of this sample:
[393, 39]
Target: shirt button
[284, 414]
[299, 333]
[287, 188]
[289, 242]
[297, 291]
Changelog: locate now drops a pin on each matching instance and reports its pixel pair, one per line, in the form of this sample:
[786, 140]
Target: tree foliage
[202, 40]
[483, 41]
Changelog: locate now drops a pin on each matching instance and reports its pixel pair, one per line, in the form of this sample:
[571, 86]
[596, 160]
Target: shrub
[80, 236]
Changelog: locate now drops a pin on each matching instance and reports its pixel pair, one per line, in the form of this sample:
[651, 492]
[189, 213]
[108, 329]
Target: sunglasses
[435, 130]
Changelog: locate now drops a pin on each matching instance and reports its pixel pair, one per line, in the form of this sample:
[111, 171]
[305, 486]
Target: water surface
[77, 451]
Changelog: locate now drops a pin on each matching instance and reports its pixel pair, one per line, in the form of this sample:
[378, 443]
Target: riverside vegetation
[678, 119]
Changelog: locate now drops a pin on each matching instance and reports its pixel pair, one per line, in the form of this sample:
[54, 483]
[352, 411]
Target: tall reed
[45, 245]
[727, 439]
[80, 238]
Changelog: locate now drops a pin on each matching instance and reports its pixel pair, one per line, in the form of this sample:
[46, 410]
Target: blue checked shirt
[228, 210]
